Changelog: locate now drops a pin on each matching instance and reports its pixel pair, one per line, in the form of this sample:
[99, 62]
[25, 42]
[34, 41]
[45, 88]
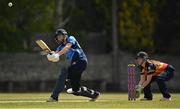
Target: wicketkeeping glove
[139, 90]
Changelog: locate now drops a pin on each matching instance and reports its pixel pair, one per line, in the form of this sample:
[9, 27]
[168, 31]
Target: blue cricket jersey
[75, 53]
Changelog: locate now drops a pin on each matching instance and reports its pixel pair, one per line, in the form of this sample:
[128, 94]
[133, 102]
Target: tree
[63, 12]
[137, 21]
[167, 35]
[20, 21]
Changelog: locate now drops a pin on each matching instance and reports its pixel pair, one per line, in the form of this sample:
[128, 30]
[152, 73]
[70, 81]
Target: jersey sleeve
[71, 40]
[151, 69]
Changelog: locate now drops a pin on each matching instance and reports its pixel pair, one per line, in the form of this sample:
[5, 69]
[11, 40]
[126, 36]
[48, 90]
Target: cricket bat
[44, 47]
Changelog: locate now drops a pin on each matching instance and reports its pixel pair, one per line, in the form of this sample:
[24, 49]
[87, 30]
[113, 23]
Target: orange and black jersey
[153, 67]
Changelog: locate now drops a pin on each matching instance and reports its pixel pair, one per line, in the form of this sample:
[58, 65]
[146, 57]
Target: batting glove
[50, 57]
[54, 57]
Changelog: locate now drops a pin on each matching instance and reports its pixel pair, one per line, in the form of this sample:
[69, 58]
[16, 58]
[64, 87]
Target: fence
[32, 72]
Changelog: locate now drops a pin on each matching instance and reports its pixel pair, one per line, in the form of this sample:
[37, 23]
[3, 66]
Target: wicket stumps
[131, 82]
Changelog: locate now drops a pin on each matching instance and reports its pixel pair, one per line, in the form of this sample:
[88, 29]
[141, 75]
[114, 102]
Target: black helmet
[142, 54]
[61, 32]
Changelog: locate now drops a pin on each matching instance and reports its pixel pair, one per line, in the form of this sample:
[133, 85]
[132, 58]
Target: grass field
[106, 100]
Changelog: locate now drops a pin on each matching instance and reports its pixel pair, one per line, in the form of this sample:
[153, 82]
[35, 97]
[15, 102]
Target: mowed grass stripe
[106, 100]
[88, 108]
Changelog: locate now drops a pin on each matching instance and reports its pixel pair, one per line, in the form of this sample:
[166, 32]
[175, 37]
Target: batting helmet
[61, 32]
[142, 54]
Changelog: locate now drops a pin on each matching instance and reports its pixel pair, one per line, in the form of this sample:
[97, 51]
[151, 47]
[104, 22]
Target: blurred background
[111, 32]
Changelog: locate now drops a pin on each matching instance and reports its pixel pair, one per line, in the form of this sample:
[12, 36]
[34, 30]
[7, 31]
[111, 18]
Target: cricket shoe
[165, 99]
[145, 99]
[90, 93]
[95, 96]
[50, 99]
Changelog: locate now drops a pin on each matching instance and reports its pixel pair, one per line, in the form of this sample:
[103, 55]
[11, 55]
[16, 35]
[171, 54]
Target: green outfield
[106, 100]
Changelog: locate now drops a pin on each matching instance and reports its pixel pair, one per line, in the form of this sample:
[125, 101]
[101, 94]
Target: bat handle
[45, 52]
[49, 52]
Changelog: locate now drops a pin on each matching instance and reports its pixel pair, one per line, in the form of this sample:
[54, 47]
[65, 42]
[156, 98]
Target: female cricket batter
[77, 60]
[153, 71]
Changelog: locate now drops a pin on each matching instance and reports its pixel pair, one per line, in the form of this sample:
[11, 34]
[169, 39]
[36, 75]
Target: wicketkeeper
[153, 71]
[77, 60]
